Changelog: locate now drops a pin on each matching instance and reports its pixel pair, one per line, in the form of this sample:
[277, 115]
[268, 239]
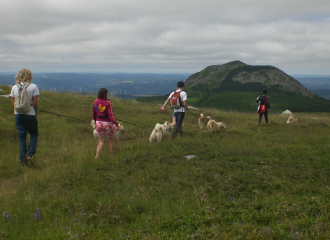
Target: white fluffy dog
[202, 121]
[293, 120]
[213, 125]
[120, 130]
[159, 131]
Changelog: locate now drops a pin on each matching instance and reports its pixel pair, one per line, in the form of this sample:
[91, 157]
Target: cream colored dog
[120, 130]
[293, 120]
[213, 125]
[160, 130]
[202, 121]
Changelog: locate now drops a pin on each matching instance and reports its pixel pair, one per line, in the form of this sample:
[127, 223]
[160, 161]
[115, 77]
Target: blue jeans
[266, 116]
[26, 124]
[179, 116]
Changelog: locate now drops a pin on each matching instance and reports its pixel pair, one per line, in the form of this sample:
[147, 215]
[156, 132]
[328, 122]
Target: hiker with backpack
[178, 102]
[24, 95]
[264, 106]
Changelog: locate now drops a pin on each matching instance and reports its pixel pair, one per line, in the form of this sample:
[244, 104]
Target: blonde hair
[24, 75]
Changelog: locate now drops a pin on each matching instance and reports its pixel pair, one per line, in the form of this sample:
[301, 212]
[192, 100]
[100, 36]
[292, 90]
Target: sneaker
[31, 159]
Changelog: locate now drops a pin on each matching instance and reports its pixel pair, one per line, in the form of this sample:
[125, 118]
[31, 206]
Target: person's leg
[266, 115]
[175, 131]
[32, 127]
[180, 118]
[260, 118]
[174, 121]
[178, 127]
[111, 144]
[22, 131]
[100, 146]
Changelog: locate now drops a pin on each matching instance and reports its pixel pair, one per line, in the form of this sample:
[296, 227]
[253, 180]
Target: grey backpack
[22, 100]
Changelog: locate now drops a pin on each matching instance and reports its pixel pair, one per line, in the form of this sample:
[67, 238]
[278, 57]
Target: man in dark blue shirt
[262, 100]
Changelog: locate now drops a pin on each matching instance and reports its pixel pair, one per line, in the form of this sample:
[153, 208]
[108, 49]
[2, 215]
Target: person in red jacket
[105, 121]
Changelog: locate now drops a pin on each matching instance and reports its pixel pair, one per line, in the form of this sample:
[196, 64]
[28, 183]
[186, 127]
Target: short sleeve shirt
[32, 90]
[183, 96]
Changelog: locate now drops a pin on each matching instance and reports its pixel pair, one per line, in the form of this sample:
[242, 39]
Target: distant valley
[318, 85]
[119, 84]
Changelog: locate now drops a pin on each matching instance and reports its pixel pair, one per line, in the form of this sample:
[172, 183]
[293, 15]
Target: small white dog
[293, 120]
[120, 130]
[213, 125]
[202, 121]
[159, 131]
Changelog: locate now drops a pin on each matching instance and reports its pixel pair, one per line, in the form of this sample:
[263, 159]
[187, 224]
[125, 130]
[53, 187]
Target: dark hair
[180, 84]
[264, 91]
[102, 93]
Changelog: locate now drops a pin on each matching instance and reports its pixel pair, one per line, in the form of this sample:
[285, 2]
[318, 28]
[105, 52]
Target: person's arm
[163, 107]
[12, 95]
[112, 115]
[94, 113]
[35, 103]
[185, 104]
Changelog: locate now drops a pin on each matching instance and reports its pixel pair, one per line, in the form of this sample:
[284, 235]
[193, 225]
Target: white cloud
[163, 35]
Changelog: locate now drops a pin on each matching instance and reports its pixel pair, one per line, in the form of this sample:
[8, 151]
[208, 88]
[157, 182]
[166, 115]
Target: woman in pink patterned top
[105, 121]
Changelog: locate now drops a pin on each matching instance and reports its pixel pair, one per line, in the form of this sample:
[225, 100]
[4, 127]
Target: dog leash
[88, 121]
[78, 120]
[133, 124]
[197, 115]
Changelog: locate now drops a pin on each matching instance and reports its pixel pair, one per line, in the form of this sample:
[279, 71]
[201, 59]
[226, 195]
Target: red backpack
[175, 100]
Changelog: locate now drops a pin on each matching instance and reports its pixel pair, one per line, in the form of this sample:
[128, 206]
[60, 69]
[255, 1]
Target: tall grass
[256, 182]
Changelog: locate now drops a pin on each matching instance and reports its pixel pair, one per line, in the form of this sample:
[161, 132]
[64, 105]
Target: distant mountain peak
[238, 76]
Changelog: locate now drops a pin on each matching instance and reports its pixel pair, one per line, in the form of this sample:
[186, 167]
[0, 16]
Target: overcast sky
[164, 36]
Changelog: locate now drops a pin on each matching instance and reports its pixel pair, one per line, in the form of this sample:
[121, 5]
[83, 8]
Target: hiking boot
[24, 162]
[31, 159]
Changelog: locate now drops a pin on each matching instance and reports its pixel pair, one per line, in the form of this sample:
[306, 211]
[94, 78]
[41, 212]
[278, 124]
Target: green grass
[247, 182]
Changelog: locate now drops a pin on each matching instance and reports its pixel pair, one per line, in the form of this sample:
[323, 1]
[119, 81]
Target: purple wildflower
[69, 211]
[8, 216]
[56, 224]
[39, 210]
[85, 214]
[4, 214]
[66, 228]
[36, 215]
[232, 198]
[75, 220]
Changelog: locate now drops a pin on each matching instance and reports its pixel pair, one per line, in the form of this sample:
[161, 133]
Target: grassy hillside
[248, 182]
